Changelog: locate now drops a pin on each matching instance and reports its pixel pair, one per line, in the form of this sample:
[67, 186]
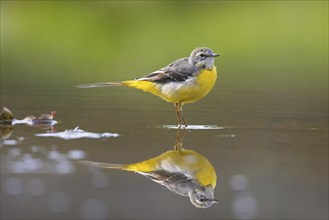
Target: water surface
[269, 153]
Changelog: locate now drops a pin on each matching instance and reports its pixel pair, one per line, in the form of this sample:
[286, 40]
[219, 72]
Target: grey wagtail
[182, 171]
[185, 80]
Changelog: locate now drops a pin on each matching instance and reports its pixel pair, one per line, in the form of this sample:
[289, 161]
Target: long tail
[103, 165]
[144, 85]
[104, 84]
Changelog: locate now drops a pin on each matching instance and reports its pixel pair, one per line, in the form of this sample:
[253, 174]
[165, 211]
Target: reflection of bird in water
[182, 171]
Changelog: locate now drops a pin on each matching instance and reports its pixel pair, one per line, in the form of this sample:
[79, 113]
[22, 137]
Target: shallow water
[269, 150]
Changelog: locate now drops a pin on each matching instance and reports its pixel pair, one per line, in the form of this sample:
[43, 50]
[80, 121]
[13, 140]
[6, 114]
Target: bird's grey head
[203, 57]
[203, 197]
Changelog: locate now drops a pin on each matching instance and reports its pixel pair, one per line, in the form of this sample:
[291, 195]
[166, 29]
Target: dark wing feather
[177, 71]
[177, 182]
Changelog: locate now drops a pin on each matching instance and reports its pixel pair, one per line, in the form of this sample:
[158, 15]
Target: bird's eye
[202, 199]
[202, 55]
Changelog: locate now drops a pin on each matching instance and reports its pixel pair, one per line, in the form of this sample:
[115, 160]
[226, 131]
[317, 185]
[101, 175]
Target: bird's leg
[180, 110]
[181, 113]
[178, 114]
[179, 139]
[178, 143]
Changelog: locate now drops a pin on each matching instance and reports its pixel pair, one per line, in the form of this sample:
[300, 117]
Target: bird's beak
[213, 200]
[214, 55]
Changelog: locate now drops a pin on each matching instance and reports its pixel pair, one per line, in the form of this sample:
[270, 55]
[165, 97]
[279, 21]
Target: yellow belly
[185, 161]
[188, 91]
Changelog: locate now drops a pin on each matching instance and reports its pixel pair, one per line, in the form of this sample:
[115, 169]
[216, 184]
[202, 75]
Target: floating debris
[6, 116]
[77, 133]
[42, 120]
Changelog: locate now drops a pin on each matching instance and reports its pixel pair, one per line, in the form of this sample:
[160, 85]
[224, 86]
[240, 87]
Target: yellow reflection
[182, 171]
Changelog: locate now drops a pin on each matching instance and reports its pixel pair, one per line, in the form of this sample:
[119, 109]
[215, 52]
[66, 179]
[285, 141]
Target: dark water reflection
[270, 156]
[182, 171]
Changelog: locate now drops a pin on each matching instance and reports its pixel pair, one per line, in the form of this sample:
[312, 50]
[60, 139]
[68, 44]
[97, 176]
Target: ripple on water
[191, 127]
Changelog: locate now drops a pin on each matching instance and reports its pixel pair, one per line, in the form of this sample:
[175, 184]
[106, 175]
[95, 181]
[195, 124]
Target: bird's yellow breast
[206, 81]
[184, 161]
[191, 90]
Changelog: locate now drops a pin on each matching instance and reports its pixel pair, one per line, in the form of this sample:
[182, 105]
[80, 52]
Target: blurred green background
[56, 44]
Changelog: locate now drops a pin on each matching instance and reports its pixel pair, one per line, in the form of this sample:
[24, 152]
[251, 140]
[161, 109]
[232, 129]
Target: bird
[185, 80]
[182, 171]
